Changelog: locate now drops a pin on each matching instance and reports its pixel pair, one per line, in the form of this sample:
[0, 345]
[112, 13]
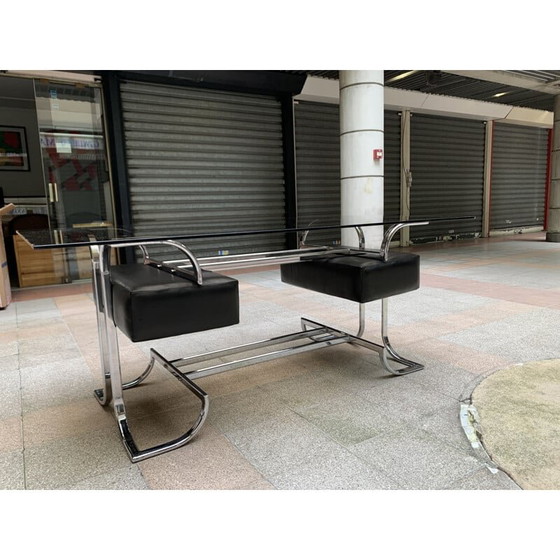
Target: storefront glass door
[78, 188]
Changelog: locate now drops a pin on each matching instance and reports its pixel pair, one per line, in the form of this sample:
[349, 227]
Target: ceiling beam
[510, 79]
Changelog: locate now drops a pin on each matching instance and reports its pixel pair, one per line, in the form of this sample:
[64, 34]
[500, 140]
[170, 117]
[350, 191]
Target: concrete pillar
[553, 222]
[361, 132]
[488, 143]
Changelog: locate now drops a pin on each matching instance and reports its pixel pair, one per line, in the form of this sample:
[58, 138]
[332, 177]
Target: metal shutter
[392, 167]
[204, 161]
[519, 162]
[447, 164]
[317, 138]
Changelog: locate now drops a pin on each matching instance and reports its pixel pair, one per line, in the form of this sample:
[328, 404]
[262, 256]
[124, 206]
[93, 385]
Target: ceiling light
[401, 76]
[500, 94]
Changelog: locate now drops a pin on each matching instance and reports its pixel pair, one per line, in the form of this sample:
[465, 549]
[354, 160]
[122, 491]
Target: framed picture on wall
[13, 149]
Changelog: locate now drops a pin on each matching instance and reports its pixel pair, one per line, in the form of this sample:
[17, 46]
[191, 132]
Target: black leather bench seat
[358, 276]
[149, 303]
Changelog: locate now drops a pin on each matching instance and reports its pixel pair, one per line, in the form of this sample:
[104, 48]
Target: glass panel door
[74, 161]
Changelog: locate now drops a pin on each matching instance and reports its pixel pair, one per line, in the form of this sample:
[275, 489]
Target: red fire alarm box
[377, 154]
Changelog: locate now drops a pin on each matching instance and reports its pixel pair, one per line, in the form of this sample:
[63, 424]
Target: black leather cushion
[358, 276]
[149, 303]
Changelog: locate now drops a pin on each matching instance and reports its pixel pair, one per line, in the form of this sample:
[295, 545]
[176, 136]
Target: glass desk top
[102, 235]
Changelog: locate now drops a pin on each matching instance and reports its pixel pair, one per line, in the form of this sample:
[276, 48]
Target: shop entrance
[65, 182]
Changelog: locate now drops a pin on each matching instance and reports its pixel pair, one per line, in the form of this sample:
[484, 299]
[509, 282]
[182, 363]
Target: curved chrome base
[136, 454]
[314, 335]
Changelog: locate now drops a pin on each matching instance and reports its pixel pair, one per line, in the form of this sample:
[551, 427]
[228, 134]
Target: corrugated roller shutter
[447, 164]
[317, 136]
[519, 162]
[317, 128]
[392, 167]
[204, 161]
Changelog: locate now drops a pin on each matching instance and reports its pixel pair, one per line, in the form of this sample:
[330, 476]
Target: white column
[486, 193]
[361, 132]
[553, 222]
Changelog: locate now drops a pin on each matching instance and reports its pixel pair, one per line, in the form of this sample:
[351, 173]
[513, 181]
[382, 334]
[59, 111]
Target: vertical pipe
[361, 132]
[406, 176]
[487, 188]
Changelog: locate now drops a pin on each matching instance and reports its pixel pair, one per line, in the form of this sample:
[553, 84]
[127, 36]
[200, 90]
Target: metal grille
[447, 163]
[204, 161]
[317, 127]
[519, 161]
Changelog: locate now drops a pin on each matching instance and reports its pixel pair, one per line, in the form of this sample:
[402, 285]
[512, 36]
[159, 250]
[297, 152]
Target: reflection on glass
[75, 166]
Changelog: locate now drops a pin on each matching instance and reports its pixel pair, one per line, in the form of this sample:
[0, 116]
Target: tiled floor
[330, 419]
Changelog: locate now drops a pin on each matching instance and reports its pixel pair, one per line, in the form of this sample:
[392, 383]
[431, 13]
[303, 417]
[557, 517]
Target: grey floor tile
[484, 479]
[209, 462]
[54, 383]
[127, 478]
[416, 460]
[11, 471]
[243, 410]
[279, 443]
[9, 363]
[406, 397]
[35, 306]
[445, 425]
[333, 470]
[444, 378]
[63, 463]
[350, 419]
[47, 345]
[305, 390]
[10, 391]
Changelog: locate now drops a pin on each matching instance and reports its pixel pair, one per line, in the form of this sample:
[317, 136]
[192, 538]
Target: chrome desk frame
[314, 334]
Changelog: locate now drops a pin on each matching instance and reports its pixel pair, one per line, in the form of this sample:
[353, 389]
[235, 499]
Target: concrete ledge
[518, 410]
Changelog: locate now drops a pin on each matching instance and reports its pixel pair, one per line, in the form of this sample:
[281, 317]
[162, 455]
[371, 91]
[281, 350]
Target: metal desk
[313, 335]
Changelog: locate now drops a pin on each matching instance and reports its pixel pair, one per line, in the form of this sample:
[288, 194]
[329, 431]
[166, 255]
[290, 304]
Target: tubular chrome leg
[362, 320]
[389, 353]
[103, 395]
[141, 378]
[385, 350]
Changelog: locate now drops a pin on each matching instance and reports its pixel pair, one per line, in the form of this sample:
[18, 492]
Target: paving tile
[349, 419]
[60, 464]
[407, 398]
[9, 363]
[31, 360]
[10, 392]
[66, 420]
[243, 410]
[416, 460]
[209, 462]
[46, 345]
[305, 390]
[280, 443]
[54, 383]
[444, 424]
[8, 343]
[11, 471]
[11, 434]
[336, 469]
[484, 479]
[127, 478]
